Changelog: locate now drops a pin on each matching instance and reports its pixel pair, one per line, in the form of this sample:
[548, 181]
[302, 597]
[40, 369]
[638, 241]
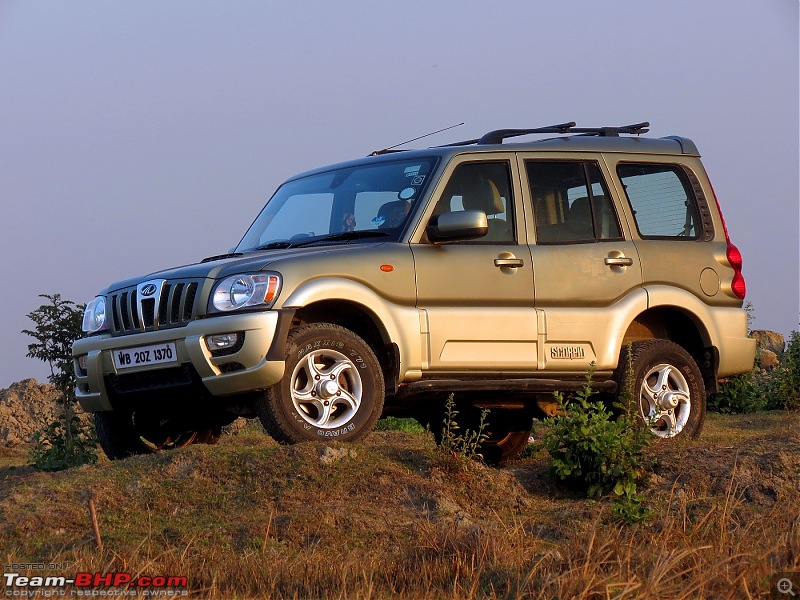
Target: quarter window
[661, 199]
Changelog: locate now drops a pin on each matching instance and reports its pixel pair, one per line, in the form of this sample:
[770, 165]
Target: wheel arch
[683, 327]
[362, 321]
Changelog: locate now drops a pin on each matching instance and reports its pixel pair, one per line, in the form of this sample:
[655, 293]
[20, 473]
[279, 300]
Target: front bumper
[259, 363]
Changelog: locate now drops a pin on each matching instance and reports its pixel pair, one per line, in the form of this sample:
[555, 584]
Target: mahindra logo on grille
[149, 289]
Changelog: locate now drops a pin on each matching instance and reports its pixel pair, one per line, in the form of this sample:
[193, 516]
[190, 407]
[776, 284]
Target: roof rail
[499, 135]
[634, 129]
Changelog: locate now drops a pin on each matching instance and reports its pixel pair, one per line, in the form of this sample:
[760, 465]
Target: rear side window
[662, 201]
[570, 202]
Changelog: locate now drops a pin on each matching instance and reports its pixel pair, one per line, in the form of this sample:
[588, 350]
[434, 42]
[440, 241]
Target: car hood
[232, 264]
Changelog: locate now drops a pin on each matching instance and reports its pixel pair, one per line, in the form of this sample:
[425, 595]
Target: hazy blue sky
[136, 136]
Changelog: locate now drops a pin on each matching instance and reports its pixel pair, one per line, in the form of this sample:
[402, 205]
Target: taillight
[738, 286]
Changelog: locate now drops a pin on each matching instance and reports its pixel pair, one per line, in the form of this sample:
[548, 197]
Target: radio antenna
[385, 150]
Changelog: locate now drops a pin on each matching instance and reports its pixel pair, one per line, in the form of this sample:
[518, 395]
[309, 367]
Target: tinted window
[482, 186]
[571, 202]
[661, 199]
[372, 197]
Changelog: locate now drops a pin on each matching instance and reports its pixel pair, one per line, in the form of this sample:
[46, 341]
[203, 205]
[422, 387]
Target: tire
[508, 430]
[116, 435]
[667, 386]
[208, 436]
[121, 435]
[332, 388]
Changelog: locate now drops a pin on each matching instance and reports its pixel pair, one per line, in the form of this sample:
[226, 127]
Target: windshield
[370, 202]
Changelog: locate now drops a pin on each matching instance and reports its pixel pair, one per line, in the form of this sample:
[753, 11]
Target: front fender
[401, 323]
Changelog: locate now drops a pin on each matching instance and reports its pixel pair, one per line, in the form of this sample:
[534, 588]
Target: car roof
[599, 140]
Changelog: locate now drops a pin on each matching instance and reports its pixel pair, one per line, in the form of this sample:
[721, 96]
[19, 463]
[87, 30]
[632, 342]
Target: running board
[502, 385]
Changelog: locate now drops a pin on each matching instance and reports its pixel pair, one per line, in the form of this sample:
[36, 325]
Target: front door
[476, 298]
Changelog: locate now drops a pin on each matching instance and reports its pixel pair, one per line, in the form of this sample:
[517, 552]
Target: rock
[769, 340]
[26, 408]
[328, 455]
[767, 359]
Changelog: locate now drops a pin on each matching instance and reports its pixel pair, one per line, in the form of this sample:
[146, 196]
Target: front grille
[172, 305]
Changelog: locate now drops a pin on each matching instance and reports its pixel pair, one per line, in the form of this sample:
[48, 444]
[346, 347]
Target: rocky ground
[25, 408]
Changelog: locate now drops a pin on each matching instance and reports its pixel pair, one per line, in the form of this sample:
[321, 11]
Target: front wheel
[667, 386]
[123, 433]
[333, 388]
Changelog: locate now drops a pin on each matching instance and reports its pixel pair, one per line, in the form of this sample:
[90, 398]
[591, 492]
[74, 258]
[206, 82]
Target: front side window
[570, 202]
[484, 186]
[371, 201]
[661, 199]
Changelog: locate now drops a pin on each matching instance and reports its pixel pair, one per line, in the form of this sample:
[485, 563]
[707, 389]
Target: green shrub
[760, 390]
[739, 394]
[397, 424]
[63, 444]
[457, 451]
[66, 442]
[782, 388]
[594, 452]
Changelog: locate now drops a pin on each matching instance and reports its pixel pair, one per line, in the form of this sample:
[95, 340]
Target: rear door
[587, 273]
[673, 229]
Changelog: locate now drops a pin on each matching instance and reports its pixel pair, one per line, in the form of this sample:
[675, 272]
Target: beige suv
[497, 271]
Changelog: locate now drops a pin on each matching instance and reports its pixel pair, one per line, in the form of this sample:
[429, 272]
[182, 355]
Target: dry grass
[250, 519]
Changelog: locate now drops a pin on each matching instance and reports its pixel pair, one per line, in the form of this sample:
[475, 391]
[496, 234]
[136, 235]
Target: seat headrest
[393, 213]
[483, 196]
[580, 216]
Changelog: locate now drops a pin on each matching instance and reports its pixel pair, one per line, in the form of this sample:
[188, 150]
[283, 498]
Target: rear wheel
[666, 385]
[508, 429]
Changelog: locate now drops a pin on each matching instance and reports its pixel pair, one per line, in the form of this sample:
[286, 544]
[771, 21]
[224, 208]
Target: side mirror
[458, 226]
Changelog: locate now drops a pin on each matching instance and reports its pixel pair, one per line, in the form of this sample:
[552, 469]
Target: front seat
[392, 214]
[485, 196]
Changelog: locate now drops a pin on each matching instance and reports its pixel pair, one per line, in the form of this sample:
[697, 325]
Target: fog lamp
[221, 341]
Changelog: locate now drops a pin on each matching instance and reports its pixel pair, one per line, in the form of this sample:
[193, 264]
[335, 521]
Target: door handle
[511, 263]
[618, 261]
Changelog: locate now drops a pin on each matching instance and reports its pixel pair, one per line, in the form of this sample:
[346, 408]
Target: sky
[141, 135]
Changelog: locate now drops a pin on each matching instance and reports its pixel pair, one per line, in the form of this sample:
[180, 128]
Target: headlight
[240, 291]
[94, 317]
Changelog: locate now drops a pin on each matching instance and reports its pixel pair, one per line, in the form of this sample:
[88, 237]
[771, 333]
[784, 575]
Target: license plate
[145, 355]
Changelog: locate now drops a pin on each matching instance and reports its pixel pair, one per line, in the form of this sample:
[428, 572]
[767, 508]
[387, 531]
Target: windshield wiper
[221, 256]
[274, 245]
[344, 235]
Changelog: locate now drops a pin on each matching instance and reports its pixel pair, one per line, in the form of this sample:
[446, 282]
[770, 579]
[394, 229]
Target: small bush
[66, 442]
[397, 424]
[759, 389]
[63, 444]
[783, 383]
[594, 452]
[739, 394]
[457, 451]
